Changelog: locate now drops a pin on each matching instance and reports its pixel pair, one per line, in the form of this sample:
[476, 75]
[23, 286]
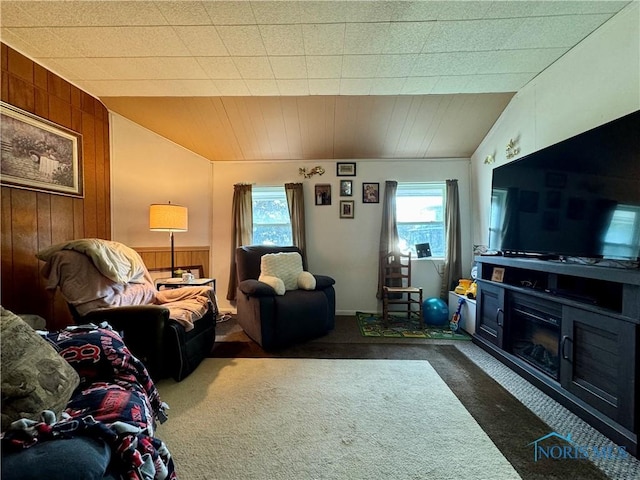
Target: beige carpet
[297, 419]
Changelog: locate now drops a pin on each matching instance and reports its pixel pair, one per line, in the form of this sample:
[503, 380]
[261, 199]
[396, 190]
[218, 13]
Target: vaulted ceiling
[271, 80]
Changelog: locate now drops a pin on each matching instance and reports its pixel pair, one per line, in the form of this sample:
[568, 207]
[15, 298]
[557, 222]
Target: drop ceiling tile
[320, 66]
[368, 11]
[472, 35]
[184, 12]
[219, 67]
[253, 67]
[230, 13]
[152, 68]
[455, 63]
[444, 10]
[262, 87]
[578, 7]
[242, 39]
[407, 37]
[511, 82]
[365, 38]
[77, 13]
[276, 12]
[282, 39]
[124, 41]
[299, 87]
[547, 32]
[82, 68]
[419, 85]
[360, 66]
[324, 86]
[202, 40]
[322, 11]
[520, 61]
[146, 88]
[231, 87]
[45, 41]
[396, 65]
[355, 86]
[288, 67]
[450, 84]
[320, 39]
[387, 86]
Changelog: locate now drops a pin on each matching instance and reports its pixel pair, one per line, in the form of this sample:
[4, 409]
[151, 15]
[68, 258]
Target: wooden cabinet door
[490, 312]
[598, 362]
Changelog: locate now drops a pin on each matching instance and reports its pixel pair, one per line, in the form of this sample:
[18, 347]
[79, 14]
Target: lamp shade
[168, 218]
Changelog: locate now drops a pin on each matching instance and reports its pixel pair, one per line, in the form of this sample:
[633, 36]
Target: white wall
[147, 168]
[595, 82]
[346, 249]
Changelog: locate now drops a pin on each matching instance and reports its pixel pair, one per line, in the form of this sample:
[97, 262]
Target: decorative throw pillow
[274, 282]
[34, 376]
[286, 266]
[306, 281]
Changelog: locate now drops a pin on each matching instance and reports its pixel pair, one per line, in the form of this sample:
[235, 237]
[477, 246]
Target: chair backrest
[248, 259]
[397, 269]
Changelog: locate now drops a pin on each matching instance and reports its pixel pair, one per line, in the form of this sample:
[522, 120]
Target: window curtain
[241, 230]
[295, 202]
[453, 260]
[389, 231]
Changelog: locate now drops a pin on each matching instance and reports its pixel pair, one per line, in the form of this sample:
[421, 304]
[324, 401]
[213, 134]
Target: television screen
[577, 198]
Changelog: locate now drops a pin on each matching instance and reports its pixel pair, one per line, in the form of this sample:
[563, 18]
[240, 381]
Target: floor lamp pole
[172, 265]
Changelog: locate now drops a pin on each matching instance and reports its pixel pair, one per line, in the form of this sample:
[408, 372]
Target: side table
[178, 282]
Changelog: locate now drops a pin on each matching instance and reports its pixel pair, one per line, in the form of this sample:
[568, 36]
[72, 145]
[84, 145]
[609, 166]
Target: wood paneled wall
[33, 220]
[160, 258]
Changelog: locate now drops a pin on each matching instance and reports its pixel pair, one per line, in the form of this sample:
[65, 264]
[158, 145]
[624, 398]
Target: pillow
[274, 282]
[306, 281]
[34, 376]
[287, 266]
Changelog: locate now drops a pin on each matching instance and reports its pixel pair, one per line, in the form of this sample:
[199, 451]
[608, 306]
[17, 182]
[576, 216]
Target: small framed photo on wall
[370, 192]
[346, 208]
[346, 188]
[323, 194]
[344, 169]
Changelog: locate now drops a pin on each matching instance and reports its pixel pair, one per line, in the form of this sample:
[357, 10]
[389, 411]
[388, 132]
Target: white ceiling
[272, 80]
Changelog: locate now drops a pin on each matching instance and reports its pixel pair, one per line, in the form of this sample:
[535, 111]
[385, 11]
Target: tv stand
[571, 330]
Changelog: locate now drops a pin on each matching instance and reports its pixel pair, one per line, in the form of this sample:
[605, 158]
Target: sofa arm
[323, 282]
[255, 288]
[143, 329]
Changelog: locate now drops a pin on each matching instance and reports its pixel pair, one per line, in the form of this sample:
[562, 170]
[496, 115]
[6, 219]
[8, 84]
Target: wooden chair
[397, 289]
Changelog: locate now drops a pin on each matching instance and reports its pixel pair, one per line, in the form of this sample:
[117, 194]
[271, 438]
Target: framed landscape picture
[39, 155]
[344, 169]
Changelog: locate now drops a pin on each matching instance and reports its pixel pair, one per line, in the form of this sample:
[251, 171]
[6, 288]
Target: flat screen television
[578, 198]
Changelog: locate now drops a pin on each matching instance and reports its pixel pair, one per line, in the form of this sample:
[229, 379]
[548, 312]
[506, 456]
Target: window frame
[266, 192]
[403, 190]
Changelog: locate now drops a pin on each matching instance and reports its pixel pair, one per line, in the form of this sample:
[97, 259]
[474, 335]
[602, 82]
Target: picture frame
[346, 188]
[323, 194]
[345, 169]
[37, 154]
[497, 275]
[370, 192]
[346, 208]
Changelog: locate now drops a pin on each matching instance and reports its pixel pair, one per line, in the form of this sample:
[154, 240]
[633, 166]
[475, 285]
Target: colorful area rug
[371, 325]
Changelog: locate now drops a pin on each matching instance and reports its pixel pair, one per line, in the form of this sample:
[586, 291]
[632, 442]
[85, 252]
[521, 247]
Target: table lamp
[168, 218]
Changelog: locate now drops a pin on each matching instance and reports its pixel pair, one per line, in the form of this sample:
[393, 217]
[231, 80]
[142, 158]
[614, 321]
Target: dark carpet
[509, 424]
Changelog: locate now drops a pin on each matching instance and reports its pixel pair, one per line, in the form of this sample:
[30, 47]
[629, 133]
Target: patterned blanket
[116, 401]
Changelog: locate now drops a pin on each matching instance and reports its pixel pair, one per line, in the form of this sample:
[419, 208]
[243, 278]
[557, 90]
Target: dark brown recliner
[277, 321]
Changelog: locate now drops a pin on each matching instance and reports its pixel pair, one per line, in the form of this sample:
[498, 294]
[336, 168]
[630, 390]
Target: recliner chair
[277, 321]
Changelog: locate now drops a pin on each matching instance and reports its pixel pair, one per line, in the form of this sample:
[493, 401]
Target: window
[420, 215]
[271, 222]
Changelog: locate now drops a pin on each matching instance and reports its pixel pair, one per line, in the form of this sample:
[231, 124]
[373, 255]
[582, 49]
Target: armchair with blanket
[170, 331]
[279, 303]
